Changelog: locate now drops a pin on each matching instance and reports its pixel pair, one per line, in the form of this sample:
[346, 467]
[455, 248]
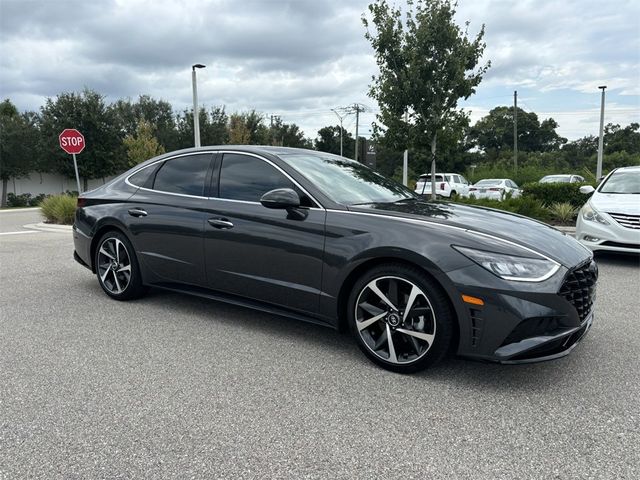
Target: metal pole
[196, 113]
[75, 166]
[341, 138]
[515, 130]
[601, 137]
[405, 160]
[357, 121]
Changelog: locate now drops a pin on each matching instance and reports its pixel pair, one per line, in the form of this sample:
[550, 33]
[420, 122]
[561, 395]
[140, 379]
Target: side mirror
[587, 189]
[281, 198]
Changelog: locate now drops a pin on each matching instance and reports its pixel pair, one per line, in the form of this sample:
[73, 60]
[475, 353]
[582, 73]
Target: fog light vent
[589, 238]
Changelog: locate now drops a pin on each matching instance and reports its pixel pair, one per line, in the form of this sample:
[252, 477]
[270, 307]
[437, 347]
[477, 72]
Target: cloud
[299, 58]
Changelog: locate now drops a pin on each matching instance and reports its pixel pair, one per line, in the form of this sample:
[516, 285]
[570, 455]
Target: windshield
[556, 179]
[486, 183]
[346, 181]
[622, 182]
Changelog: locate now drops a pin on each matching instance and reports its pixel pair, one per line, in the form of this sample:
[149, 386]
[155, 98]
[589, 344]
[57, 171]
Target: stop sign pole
[72, 142]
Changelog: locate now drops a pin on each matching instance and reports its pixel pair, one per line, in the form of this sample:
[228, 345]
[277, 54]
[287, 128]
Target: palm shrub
[563, 212]
[59, 209]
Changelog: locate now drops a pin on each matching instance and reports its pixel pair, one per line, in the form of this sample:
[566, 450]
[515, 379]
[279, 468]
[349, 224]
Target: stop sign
[71, 141]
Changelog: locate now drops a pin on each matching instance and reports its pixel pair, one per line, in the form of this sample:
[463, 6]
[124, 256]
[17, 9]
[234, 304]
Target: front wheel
[117, 267]
[401, 318]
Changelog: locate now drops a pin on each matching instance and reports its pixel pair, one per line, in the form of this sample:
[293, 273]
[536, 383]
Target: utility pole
[601, 137]
[405, 160]
[515, 130]
[340, 117]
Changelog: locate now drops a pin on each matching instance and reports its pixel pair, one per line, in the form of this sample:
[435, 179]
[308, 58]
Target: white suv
[447, 184]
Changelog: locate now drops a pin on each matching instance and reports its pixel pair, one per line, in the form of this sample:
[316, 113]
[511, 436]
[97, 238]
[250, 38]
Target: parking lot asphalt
[172, 386]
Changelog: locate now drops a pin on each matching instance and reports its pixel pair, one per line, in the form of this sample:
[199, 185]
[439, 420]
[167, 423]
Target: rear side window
[247, 178]
[142, 178]
[184, 175]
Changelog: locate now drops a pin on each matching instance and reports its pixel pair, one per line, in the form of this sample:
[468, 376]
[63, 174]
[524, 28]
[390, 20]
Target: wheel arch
[103, 228]
[402, 258]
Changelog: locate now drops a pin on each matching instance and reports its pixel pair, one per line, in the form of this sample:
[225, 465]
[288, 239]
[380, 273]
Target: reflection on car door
[167, 220]
[265, 254]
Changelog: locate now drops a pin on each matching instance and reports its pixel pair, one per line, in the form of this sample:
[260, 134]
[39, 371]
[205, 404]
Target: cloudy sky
[298, 59]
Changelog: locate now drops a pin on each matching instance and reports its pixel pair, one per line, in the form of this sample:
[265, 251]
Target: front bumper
[543, 348]
[526, 323]
[612, 237]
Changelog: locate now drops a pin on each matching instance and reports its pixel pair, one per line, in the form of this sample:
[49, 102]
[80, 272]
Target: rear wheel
[117, 267]
[401, 318]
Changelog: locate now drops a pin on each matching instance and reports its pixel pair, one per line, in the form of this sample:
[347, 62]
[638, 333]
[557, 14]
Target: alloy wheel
[395, 319]
[114, 265]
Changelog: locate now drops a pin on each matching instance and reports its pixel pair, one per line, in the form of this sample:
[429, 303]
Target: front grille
[627, 221]
[579, 288]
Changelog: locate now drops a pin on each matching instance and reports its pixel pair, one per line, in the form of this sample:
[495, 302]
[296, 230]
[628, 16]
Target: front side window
[346, 181]
[247, 178]
[184, 175]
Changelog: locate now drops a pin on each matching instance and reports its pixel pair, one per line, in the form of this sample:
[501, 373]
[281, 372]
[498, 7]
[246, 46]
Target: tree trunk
[3, 202]
[85, 186]
[433, 166]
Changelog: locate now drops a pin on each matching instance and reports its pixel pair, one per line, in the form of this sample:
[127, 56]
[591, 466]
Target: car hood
[513, 228]
[628, 204]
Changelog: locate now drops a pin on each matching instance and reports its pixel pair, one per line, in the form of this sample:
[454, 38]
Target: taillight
[442, 186]
[472, 189]
[496, 189]
[81, 202]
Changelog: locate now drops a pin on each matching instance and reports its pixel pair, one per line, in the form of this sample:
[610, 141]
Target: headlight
[512, 267]
[591, 215]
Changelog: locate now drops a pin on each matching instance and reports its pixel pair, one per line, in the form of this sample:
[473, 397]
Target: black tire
[411, 354]
[113, 253]
[453, 194]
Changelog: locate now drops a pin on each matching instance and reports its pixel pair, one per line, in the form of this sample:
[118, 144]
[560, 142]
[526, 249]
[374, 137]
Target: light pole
[340, 118]
[601, 138]
[196, 113]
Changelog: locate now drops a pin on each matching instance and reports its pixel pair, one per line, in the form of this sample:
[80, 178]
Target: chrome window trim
[126, 180]
[212, 152]
[321, 207]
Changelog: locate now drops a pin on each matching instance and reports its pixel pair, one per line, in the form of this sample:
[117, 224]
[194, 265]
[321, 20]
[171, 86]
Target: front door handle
[222, 223]
[137, 212]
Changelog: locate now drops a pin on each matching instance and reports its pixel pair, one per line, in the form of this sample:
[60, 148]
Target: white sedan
[494, 189]
[610, 220]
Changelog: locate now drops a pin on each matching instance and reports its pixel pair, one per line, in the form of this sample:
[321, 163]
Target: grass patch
[59, 209]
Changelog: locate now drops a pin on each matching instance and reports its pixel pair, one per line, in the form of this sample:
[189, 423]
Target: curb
[49, 227]
[18, 210]
[568, 230]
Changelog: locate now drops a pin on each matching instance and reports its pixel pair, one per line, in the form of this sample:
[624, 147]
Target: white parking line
[18, 233]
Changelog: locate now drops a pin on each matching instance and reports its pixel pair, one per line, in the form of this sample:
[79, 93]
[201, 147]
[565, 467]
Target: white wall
[48, 183]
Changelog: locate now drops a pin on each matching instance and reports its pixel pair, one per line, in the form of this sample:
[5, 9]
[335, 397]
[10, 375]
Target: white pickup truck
[447, 184]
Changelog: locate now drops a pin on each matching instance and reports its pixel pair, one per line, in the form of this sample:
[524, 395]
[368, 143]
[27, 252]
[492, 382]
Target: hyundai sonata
[321, 238]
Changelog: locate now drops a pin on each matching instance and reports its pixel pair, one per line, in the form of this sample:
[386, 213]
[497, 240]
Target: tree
[143, 145]
[158, 113]
[494, 132]
[239, 133]
[104, 154]
[287, 135]
[18, 136]
[427, 63]
[625, 139]
[213, 127]
[328, 140]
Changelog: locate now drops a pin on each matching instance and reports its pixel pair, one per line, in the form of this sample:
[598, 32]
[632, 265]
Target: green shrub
[563, 212]
[556, 193]
[21, 200]
[527, 206]
[59, 209]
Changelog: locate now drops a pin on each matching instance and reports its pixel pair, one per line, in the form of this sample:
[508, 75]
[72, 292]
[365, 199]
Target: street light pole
[601, 137]
[340, 118]
[196, 113]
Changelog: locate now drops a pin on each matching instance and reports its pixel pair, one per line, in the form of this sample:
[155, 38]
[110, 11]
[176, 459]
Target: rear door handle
[222, 223]
[137, 212]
